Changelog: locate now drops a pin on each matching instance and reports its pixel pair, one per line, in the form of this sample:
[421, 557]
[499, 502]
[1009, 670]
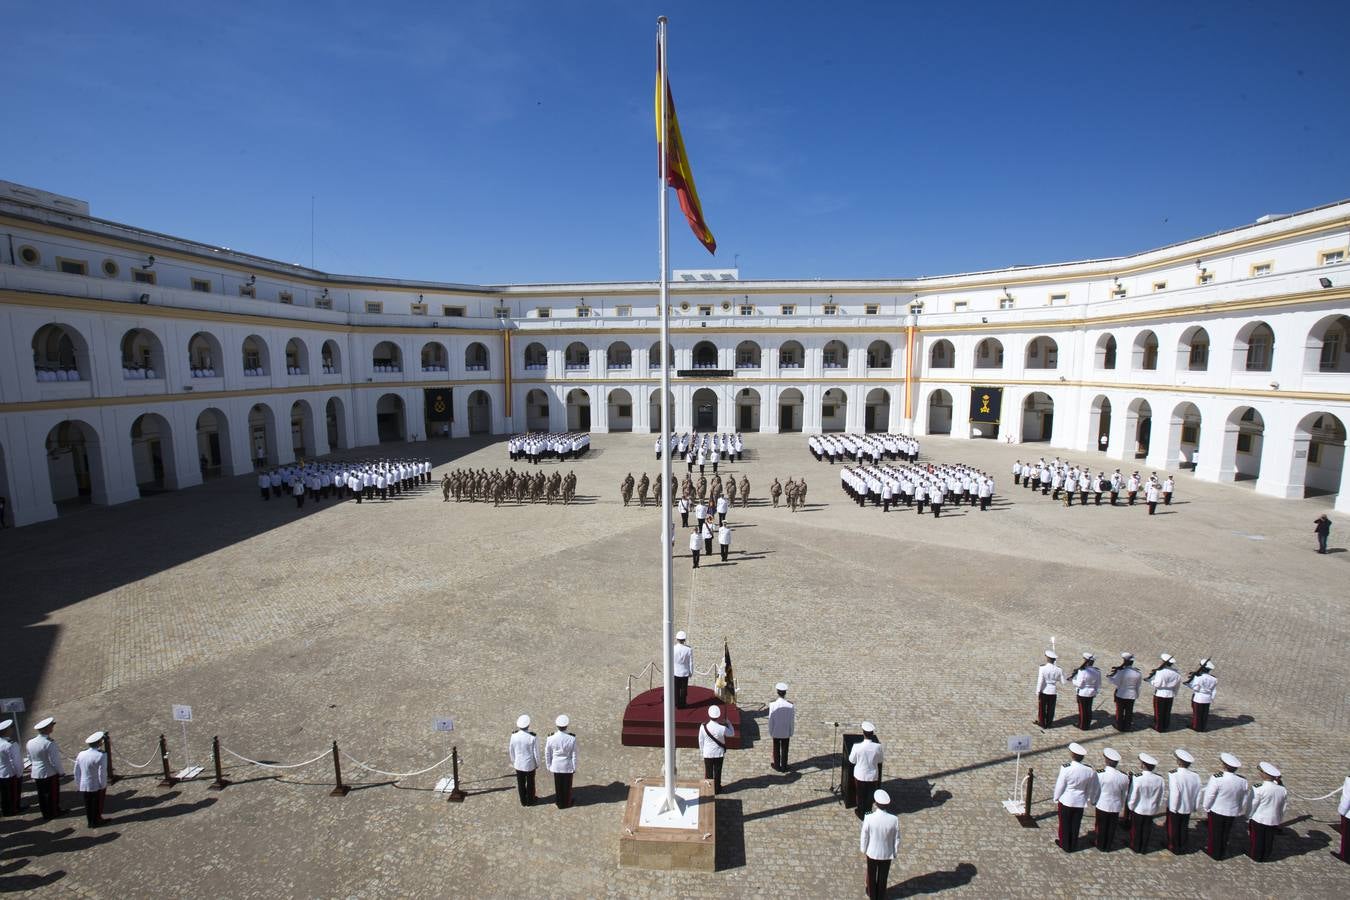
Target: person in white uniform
[1111, 799]
[1165, 681]
[11, 769]
[782, 723]
[1203, 687]
[879, 843]
[560, 755]
[866, 758]
[712, 746]
[1148, 798]
[1126, 679]
[1075, 787]
[46, 768]
[91, 778]
[1087, 681]
[523, 750]
[1344, 812]
[1226, 797]
[683, 666]
[1048, 677]
[1183, 798]
[1267, 813]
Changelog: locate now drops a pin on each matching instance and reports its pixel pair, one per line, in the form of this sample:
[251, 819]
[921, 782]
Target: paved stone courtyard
[288, 629]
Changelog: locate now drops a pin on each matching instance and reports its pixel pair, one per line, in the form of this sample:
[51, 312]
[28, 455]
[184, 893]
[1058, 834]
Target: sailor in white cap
[712, 746]
[11, 769]
[1227, 796]
[91, 778]
[1048, 676]
[45, 758]
[1111, 799]
[1343, 810]
[523, 749]
[1127, 679]
[1203, 685]
[1087, 679]
[560, 755]
[683, 668]
[1165, 680]
[782, 722]
[1267, 813]
[1075, 787]
[1148, 798]
[880, 842]
[867, 758]
[1183, 797]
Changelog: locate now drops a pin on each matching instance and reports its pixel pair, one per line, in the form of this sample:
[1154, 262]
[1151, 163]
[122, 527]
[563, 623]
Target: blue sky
[506, 141]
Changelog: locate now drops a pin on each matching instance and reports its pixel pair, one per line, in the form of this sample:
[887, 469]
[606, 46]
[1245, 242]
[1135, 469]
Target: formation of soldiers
[929, 486]
[362, 479]
[700, 449]
[861, 448]
[688, 491]
[535, 446]
[794, 490]
[1060, 479]
[480, 485]
[1087, 681]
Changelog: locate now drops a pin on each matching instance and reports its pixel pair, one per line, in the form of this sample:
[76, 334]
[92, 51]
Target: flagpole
[667, 582]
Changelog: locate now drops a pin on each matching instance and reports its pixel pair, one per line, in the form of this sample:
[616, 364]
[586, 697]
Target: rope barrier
[154, 755]
[264, 765]
[435, 765]
[1312, 799]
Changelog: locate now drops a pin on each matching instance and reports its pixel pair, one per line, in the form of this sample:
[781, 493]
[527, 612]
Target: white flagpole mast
[667, 582]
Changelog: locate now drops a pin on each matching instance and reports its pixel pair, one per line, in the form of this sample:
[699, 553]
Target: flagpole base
[684, 839]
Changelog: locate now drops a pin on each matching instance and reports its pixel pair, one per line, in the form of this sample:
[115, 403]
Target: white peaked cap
[880, 797]
[5, 724]
[1077, 749]
[1050, 654]
[781, 686]
[45, 723]
[680, 635]
[1270, 770]
[1230, 760]
[1147, 759]
[523, 722]
[1166, 657]
[1087, 655]
[714, 711]
[869, 727]
[1125, 654]
[562, 721]
[1112, 754]
[95, 738]
[1183, 755]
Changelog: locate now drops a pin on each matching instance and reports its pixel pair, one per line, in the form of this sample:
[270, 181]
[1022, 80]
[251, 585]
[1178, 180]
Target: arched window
[1106, 352]
[748, 355]
[879, 355]
[476, 358]
[791, 356]
[60, 354]
[942, 356]
[577, 357]
[536, 357]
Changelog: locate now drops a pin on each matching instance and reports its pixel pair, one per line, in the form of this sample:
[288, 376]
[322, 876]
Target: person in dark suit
[1322, 528]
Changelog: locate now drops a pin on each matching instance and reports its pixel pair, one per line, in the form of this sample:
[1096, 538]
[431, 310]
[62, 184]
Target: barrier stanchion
[1031, 782]
[168, 780]
[339, 789]
[113, 777]
[220, 783]
[456, 795]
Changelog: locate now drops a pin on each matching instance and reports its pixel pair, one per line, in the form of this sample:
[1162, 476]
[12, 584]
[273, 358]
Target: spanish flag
[679, 175]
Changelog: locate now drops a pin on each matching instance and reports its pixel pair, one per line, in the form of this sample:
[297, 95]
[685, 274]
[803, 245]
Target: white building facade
[138, 361]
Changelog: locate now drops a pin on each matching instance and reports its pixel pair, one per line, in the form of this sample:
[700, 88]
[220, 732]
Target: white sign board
[182, 713]
[1019, 744]
[12, 704]
[443, 724]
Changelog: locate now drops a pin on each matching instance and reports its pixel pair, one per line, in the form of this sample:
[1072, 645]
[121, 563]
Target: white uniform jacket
[1077, 785]
[1148, 794]
[709, 733]
[1227, 794]
[91, 770]
[1088, 681]
[866, 757]
[1115, 790]
[1204, 686]
[11, 759]
[45, 757]
[1183, 791]
[1165, 682]
[880, 838]
[523, 748]
[684, 658]
[1047, 677]
[560, 752]
[1268, 799]
[1127, 683]
[782, 718]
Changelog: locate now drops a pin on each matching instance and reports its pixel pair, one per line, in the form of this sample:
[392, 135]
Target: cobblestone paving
[288, 629]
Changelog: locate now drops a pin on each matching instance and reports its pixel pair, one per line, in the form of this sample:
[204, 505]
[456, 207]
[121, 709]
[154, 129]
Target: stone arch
[620, 410]
[1193, 350]
[205, 359]
[834, 410]
[1138, 428]
[1254, 348]
[476, 357]
[791, 355]
[747, 409]
[1105, 357]
[704, 410]
[391, 421]
[577, 357]
[1038, 412]
[1144, 351]
[331, 356]
[75, 465]
[578, 410]
[939, 412]
[262, 435]
[213, 443]
[253, 353]
[297, 357]
[335, 423]
[749, 356]
[942, 355]
[386, 358]
[302, 430]
[152, 454]
[877, 411]
[1328, 346]
[654, 407]
[880, 355]
[1319, 455]
[654, 356]
[1042, 353]
[619, 356]
[1099, 423]
[989, 354]
[1183, 436]
[790, 407]
[536, 357]
[435, 357]
[480, 413]
[60, 353]
[536, 410]
[834, 355]
[704, 355]
[142, 354]
[1243, 436]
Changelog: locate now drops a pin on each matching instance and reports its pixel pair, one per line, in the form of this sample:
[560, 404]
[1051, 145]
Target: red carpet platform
[642, 720]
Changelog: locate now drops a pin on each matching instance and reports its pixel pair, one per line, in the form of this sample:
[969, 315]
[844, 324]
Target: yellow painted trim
[1252, 273]
[1322, 256]
[1153, 388]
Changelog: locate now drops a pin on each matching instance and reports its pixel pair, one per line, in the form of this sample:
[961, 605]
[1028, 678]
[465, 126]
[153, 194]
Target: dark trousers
[1162, 713]
[1106, 829]
[299, 500]
[1152, 507]
[1260, 840]
[1178, 831]
[1124, 714]
[726, 548]
[684, 520]
[937, 510]
[1141, 828]
[1045, 709]
[878, 870]
[1130, 496]
[1219, 828]
[1321, 543]
[1099, 498]
[984, 503]
[93, 807]
[562, 789]
[265, 494]
[1199, 715]
[712, 770]
[9, 796]
[682, 684]
[865, 790]
[695, 555]
[49, 796]
[1115, 495]
[1167, 498]
[707, 546]
[1085, 712]
[525, 787]
[780, 754]
[1345, 839]
[1070, 817]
